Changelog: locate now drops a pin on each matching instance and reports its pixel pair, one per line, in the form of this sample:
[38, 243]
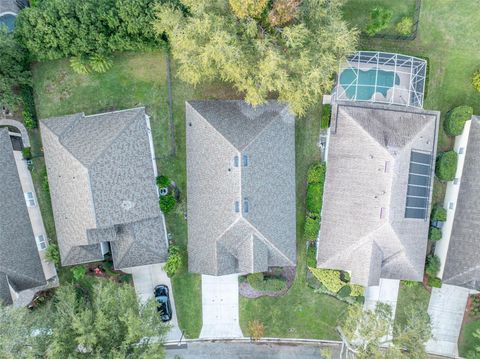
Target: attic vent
[382, 212]
[387, 166]
[235, 161]
[127, 205]
[237, 206]
[245, 160]
[245, 205]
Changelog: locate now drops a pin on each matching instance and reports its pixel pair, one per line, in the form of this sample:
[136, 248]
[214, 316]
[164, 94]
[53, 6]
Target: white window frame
[41, 242]
[30, 199]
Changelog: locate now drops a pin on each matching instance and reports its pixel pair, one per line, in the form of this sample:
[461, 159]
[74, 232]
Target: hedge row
[315, 179]
[264, 283]
[326, 114]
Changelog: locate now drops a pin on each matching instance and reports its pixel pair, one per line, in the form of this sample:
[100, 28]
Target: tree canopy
[14, 70]
[284, 48]
[366, 331]
[105, 321]
[89, 30]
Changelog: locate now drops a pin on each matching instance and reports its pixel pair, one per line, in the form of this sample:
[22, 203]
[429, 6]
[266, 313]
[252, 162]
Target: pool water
[8, 20]
[365, 80]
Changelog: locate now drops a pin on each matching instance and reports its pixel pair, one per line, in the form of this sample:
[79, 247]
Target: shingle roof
[9, 6]
[20, 265]
[363, 226]
[462, 266]
[221, 240]
[101, 179]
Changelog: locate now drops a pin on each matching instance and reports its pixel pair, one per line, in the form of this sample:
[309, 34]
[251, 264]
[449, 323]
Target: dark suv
[163, 302]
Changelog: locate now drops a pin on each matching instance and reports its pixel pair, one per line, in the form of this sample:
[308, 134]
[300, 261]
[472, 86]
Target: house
[101, 171]
[21, 268]
[376, 203]
[459, 248]
[240, 187]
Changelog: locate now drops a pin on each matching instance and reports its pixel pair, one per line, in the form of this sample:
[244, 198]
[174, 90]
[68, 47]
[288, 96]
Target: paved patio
[220, 307]
[446, 310]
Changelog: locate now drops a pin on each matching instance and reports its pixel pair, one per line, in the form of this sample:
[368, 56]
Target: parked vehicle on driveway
[163, 302]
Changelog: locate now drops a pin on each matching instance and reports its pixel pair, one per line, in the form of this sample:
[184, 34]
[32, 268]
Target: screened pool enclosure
[382, 77]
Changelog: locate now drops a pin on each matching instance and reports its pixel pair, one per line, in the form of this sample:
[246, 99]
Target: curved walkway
[20, 127]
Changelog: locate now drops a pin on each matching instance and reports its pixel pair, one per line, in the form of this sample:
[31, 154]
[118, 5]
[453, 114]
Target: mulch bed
[248, 292]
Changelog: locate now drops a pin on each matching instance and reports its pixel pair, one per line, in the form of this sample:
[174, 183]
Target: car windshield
[162, 299]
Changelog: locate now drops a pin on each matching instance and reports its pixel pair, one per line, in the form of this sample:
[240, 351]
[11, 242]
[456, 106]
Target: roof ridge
[463, 273]
[22, 276]
[272, 120]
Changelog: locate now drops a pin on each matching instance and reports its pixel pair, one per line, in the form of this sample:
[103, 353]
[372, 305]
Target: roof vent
[127, 205]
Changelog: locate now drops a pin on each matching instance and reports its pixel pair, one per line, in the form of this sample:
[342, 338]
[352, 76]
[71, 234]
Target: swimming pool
[8, 20]
[360, 84]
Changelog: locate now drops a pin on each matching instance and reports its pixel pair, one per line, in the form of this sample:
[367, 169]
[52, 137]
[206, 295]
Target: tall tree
[89, 30]
[290, 49]
[368, 333]
[105, 321]
[14, 70]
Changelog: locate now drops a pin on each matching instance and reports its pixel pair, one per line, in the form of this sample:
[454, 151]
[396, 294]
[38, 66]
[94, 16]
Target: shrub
[312, 226]
[326, 113]
[78, 273]
[28, 120]
[167, 203]
[446, 166]
[79, 65]
[29, 105]
[100, 63]
[312, 256]
[434, 234]
[380, 18]
[455, 121]
[356, 290]
[432, 265]
[174, 261]
[404, 26]
[345, 291]
[248, 8]
[256, 329]
[45, 185]
[314, 197]
[316, 173]
[264, 283]
[27, 153]
[52, 254]
[439, 214]
[330, 278]
[434, 282]
[163, 181]
[476, 80]
[410, 283]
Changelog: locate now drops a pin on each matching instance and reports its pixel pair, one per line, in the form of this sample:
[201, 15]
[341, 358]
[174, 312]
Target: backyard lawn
[135, 80]
[408, 296]
[357, 12]
[300, 313]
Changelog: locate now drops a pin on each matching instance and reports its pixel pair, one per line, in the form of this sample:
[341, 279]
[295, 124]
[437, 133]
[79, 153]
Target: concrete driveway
[220, 309]
[446, 310]
[145, 278]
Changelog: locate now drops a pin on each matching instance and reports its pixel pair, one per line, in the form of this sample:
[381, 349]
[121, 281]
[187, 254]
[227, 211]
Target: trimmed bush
[174, 261]
[312, 226]
[78, 273]
[434, 234]
[356, 290]
[404, 26]
[432, 265]
[311, 256]
[29, 106]
[446, 166]
[326, 114]
[314, 197]
[52, 254]
[329, 278]
[27, 153]
[380, 18]
[434, 282]
[476, 80]
[439, 214]
[345, 291]
[316, 173]
[163, 181]
[455, 121]
[167, 203]
[264, 283]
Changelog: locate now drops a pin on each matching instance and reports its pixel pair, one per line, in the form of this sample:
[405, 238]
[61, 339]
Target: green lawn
[301, 313]
[407, 296]
[466, 341]
[135, 80]
[357, 12]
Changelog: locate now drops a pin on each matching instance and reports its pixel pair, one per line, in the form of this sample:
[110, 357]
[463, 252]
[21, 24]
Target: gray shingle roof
[20, 265]
[367, 174]
[220, 240]
[9, 6]
[462, 266]
[101, 180]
